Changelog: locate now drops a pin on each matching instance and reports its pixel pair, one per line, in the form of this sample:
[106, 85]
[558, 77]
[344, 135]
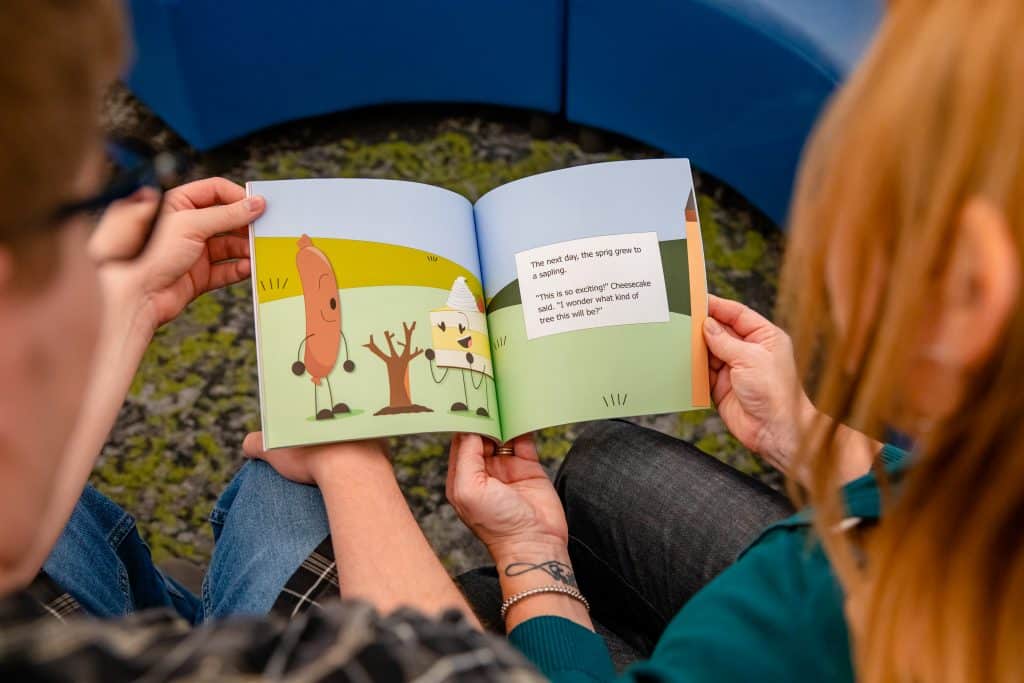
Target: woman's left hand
[200, 243]
[507, 501]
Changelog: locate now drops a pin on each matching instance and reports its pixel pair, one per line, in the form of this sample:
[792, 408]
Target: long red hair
[933, 117]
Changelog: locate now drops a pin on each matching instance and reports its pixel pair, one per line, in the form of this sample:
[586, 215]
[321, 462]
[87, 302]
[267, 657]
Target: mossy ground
[177, 440]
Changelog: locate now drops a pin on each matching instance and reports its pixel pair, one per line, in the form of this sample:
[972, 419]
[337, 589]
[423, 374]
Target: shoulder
[347, 639]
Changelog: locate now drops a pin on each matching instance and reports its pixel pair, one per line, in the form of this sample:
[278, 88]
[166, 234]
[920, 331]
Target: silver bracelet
[553, 588]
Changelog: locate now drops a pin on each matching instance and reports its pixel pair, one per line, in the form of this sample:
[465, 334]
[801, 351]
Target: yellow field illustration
[357, 334]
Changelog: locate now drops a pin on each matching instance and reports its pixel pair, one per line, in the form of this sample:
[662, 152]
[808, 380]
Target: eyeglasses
[134, 165]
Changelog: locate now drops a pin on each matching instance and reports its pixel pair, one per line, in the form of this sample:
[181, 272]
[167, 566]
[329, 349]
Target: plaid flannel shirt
[309, 636]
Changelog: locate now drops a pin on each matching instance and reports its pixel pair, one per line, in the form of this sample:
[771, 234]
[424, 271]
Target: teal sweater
[775, 615]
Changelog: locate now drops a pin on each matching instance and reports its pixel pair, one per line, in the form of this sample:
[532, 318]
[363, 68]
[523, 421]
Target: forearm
[123, 339]
[382, 555]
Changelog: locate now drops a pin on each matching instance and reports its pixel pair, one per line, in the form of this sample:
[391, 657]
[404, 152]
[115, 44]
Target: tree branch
[376, 350]
[388, 336]
[407, 329]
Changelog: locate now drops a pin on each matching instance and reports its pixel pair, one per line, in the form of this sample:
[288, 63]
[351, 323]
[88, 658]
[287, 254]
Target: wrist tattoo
[559, 571]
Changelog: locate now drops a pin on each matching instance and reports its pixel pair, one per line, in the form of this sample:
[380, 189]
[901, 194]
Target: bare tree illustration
[398, 371]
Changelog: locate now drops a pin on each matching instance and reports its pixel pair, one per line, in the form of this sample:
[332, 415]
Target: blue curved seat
[217, 69]
[735, 85]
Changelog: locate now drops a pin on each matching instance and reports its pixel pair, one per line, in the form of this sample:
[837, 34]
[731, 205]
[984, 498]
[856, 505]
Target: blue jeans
[264, 527]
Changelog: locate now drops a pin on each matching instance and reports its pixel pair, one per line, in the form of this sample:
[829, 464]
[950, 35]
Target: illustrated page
[369, 312]
[596, 293]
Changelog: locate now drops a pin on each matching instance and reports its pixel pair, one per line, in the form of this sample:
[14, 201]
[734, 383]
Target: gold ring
[505, 450]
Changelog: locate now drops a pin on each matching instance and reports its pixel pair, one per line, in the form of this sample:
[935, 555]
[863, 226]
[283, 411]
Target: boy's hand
[311, 464]
[200, 243]
[754, 381]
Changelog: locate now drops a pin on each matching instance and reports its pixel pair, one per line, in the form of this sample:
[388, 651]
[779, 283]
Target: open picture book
[386, 307]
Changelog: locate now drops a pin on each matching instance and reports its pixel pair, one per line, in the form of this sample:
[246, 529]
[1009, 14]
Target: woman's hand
[506, 500]
[754, 381]
[312, 464]
[511, 505]
[200, 243]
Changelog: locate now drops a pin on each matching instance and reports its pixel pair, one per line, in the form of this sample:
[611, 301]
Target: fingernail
[712, 326]
[254, 204]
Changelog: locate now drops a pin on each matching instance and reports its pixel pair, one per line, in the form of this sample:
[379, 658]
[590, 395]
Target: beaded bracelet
[553, 588]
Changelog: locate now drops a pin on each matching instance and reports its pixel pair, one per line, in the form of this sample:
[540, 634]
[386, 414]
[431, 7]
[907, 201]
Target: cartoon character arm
[429, 353]
[349, 365]
[472, 375]
[298, 367]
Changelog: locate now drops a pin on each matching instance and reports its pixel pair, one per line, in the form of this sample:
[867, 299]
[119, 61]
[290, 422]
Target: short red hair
[59, 57]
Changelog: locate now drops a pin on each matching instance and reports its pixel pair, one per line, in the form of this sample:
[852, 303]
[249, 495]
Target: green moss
[553, 444]
[421, 492]
[413, 457]
[448, 160]
[705, 431]
[729, 255]
[206, 310]
[208, 445]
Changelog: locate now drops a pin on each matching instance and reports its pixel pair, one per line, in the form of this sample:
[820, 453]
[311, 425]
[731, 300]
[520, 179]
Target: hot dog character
[459, 338]
[323, 336]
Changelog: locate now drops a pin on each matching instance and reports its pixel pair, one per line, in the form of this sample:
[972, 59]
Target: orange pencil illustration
[324, 337]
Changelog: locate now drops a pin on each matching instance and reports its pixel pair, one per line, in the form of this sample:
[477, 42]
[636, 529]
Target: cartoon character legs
[462, 406]
[299, 369]
[458, 406]
[336, 409]
[482, 412]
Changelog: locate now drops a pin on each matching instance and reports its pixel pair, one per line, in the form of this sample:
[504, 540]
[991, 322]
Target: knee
[270, 526]
[265, 503]
[598, 469]
[616, 469]
[258, 479]
[576, 471]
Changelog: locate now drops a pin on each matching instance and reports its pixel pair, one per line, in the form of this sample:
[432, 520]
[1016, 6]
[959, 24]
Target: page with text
[596, 293]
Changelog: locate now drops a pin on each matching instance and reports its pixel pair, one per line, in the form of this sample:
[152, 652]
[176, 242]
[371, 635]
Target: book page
[596, 293]
[369, 312]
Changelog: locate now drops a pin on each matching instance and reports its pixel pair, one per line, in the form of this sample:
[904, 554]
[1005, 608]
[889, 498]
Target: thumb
[205, 223]
[470, 469]
[724, 345]
[252, 445]
[122, 229]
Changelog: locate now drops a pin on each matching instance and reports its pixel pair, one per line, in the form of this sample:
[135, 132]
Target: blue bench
[733, 84]
[217, 69]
